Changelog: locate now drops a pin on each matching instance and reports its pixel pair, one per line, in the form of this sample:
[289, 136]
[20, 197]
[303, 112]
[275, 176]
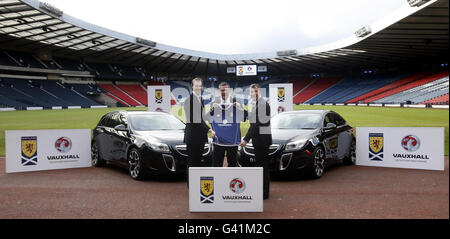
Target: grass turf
[356, 116]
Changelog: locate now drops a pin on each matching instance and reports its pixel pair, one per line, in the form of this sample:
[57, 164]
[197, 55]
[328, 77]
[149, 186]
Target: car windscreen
[296, 121]
[155, 122]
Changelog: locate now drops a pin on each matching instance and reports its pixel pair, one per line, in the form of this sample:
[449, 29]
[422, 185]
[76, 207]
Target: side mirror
[121, 127]
[330, 126]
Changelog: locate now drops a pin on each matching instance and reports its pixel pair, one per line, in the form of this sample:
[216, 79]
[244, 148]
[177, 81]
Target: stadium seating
[300, 84]
[372, 95]
[138, 92]
[404, 84]
[420, 93]
[443, 99]
[25, 59]
[315, 88]
[6, 60]
[119, 95]
[350, 87]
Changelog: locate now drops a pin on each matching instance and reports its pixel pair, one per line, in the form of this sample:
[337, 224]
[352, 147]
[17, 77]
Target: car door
[330, 137]
[103, 136]
[121, 138]
[116, 138]
[345, 136]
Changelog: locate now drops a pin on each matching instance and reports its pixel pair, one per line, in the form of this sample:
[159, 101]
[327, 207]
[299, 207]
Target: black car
[143, 142]
[306, 141]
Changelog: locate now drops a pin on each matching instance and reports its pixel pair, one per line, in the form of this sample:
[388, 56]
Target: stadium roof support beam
[78, 53]
[142, 57]
[28, 22]
[66, 40]
[107, 51]
[132, 54]
[119, 53]
[173, 63]
[195, 66]
[154, 67]
[184, 64]
[147, 63]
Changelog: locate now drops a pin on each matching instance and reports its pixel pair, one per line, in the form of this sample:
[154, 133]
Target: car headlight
[296, 145]
[160, 147]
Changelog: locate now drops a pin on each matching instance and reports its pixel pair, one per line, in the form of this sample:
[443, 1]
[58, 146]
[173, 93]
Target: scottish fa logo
[281, 94]
[158, 96]
[29, 150]
[207, 189]
[376, 146]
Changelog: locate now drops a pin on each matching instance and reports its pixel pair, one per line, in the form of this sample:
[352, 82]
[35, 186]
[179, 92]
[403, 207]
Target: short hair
[224, 83]
[196, 79]
[254, 86]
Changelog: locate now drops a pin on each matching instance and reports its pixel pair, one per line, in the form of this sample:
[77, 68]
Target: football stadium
[59, 72]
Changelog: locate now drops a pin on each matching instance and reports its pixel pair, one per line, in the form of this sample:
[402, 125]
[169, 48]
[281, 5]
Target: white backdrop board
[158, 98]
[400, 147]
[234, 189]
[280, 98]
[34, 150]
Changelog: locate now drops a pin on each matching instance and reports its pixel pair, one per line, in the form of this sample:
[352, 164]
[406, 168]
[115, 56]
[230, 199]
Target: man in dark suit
[196, 131]
[260, 134]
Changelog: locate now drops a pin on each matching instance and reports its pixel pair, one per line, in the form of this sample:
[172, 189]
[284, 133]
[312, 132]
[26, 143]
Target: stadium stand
[420, 93]
[24, 59]
[315, 88]
[406, 85]
[351, 87]
[373, 95]
[443, 99]
[6, 60]
[119, 95]
[138, 92]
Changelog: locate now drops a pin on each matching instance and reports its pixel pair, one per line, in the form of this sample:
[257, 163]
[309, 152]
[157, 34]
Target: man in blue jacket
[225, 117]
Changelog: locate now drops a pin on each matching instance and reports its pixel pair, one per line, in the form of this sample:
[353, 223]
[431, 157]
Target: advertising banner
[158, 98]
[246, 70]
[280, 98]
[213, 189]
[34, 150]
[400, 147]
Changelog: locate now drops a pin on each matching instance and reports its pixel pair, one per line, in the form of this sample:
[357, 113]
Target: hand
[213, 133]
[243, 143]
[215, 105]
[237, 104]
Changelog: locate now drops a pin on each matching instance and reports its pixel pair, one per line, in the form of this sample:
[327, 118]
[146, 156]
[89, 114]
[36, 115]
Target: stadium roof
[411, 35]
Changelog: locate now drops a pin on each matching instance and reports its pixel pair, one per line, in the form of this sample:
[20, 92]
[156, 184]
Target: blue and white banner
[400, 147]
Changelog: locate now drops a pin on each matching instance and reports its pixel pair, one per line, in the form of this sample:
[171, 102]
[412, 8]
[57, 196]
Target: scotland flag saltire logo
[158, 96]
[29, 150]
[207, 189]
[376, 146]
[281, 94]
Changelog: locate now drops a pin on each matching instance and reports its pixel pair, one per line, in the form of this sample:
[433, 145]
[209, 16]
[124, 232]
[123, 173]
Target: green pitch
[356, 116]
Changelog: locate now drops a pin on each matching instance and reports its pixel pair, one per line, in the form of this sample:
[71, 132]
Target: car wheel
[97, 161]
[351, 158]
[135, 164]
[318, 166]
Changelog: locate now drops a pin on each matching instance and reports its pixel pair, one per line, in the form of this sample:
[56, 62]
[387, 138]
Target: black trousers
[194, 152]
[219, 153]
[262, 160]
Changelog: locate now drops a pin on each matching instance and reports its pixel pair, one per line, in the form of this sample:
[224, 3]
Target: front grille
[250, 150]
[181, 149]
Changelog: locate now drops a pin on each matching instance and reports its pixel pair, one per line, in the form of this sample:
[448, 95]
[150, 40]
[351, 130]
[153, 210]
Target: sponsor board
[400, 147]
[213, 189]
[280, 98]
[159, 98]
[34, 150]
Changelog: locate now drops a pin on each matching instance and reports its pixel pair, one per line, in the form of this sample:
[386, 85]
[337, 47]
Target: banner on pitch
[280, 98]
[159, 98]
[216, 189]
[400, 147]
[34, 150]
